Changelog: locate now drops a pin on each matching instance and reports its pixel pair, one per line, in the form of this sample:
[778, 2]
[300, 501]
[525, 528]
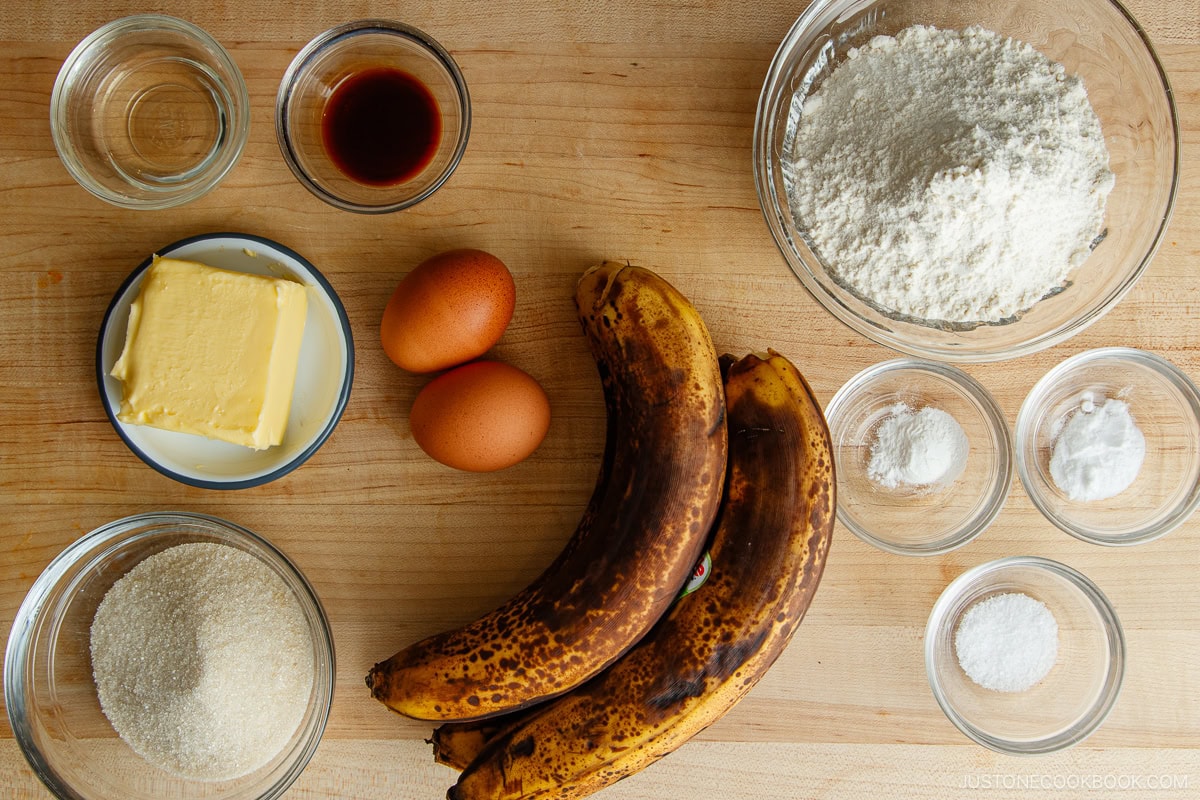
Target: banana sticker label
[699, 576]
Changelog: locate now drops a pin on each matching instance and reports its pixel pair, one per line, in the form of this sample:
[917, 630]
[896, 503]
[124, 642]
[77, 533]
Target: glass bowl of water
[149, 112]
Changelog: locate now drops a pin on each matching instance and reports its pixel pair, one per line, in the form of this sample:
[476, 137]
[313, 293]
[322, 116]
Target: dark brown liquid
[381, 126]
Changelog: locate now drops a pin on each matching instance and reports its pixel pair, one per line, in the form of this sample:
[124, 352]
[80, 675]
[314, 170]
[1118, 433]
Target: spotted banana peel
[768, 553]
[655, 500]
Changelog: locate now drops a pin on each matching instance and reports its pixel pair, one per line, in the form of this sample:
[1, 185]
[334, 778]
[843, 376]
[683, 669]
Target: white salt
[1007, 642]
[203, 661]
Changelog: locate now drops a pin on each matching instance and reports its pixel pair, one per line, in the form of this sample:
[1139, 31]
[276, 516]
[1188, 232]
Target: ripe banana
[654, 502]
[768, 553]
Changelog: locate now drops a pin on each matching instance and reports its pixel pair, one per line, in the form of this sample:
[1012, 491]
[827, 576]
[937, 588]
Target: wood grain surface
[614, 130]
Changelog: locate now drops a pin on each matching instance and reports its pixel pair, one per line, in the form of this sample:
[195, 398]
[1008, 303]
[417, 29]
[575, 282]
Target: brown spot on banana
[768, 554]
[637, 542]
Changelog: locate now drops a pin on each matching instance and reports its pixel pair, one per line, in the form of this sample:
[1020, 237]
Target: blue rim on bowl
[318, 401]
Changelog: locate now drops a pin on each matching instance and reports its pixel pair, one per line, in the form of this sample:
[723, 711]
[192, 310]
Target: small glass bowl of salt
[1024, 655]
[1108, 446]
[924, 456]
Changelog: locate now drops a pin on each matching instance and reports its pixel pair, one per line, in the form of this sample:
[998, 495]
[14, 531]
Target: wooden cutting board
[602, 130]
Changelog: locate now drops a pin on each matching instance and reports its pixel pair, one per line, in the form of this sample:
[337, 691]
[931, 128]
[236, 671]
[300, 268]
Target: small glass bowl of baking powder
[924, 456]
[1108, 446]
[1086, 653]
[50, 687]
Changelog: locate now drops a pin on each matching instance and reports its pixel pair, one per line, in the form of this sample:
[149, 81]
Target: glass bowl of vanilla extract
[373, 116]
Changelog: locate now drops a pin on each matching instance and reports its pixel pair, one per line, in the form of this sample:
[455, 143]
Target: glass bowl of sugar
[924, 456]
[1108, 446]
[169, 656]
[967, 182]
[1024, 655]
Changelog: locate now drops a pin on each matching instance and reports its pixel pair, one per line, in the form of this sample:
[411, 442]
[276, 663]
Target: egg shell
[449, 310]
[480, 417]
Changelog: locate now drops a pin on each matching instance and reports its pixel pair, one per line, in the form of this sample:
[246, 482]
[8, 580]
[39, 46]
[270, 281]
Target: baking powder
[917, 448]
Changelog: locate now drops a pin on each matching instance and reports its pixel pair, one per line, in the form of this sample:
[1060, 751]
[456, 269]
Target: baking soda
[1099, 451]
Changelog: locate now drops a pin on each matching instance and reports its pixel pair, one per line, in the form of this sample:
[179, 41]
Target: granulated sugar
[1007, 642]
[949, 175]
[203, 661]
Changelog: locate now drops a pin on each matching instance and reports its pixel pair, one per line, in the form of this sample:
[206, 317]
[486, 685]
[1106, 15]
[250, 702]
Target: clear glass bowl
[329, 60]
[149, 112]
[1095, 39]
[1165, 406]
[51, 697]
[1067, 705]
[918, 521]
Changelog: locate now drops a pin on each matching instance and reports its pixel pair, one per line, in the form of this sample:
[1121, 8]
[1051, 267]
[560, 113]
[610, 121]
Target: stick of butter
[212, 352]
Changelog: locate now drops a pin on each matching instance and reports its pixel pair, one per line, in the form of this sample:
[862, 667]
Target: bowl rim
[1024, 439]
[774, 95]
[939, 617]
[344, 32]
[992, 413]
[340, 403]
[187, 191]
[33, 606]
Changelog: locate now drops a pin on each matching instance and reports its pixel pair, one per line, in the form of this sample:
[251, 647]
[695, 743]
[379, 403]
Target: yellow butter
[212, 352]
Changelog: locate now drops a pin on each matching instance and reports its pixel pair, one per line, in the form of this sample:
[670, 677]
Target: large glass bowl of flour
[207, 660]
[941, 206]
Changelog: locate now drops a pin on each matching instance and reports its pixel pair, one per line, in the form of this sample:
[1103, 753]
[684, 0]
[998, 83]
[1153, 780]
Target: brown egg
[447, 311]
[481, 417]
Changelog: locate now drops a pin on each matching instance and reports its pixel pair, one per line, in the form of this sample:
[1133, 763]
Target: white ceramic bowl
[323, 378]
[1071, 701]
[926, 520]
[1165, 406]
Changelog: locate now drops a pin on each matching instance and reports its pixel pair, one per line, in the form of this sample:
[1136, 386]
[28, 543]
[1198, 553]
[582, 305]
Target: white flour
[950, 175]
